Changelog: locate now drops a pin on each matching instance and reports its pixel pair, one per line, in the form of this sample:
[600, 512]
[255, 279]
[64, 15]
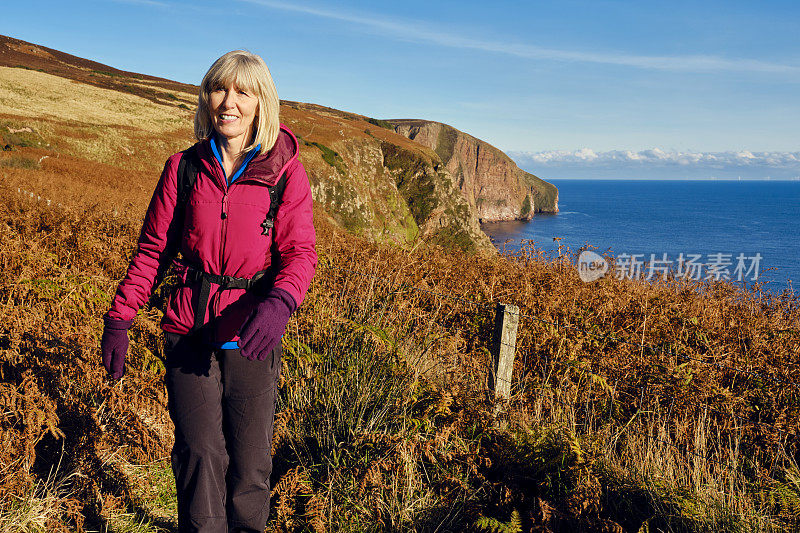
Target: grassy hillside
[670, 406]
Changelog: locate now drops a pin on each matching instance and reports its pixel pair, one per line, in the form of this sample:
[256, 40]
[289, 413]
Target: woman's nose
[229, 99]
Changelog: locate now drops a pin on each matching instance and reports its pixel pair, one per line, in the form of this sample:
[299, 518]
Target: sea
[745, 231]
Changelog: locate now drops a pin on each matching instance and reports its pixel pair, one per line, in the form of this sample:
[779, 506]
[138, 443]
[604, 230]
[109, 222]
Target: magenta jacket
[222, 234]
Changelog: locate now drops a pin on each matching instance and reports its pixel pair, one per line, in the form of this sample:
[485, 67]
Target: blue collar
[250, 155]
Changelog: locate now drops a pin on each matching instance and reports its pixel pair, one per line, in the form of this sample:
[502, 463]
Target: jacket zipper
[223, 236]
[215, 302]
[224, 230]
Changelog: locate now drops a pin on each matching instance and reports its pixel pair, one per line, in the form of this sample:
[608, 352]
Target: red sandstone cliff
[491, 182]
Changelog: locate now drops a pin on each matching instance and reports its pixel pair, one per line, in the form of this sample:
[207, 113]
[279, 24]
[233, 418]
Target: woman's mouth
[227, 118]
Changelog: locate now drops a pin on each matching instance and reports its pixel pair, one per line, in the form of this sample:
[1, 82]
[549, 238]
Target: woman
[244, 268]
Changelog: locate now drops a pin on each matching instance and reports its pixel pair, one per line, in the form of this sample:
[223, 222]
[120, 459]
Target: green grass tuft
[380, 123]
[526, 206]
[20, 162]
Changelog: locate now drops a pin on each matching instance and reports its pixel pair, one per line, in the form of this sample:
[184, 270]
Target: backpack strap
[275, 201]
[188, 168]
[225, 282]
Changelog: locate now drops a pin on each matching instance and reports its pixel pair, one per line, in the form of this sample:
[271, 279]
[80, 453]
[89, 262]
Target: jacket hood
[264, 167]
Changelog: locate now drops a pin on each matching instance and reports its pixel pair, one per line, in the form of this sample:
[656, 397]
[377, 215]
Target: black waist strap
[194, 275]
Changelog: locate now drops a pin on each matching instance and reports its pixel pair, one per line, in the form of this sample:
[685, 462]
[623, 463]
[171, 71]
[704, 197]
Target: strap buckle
[193, 275]
[227, 281]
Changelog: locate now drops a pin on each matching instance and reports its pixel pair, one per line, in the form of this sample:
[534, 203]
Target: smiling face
[238, 102]
[232, 111]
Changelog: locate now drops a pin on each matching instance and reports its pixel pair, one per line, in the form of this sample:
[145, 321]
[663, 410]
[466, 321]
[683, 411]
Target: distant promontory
[494, 186]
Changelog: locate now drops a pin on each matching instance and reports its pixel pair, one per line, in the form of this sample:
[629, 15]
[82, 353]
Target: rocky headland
[493, 185]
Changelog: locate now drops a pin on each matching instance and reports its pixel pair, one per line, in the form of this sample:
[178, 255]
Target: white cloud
[659, 163]
[658, 156]
[586, 154]
[416, 31]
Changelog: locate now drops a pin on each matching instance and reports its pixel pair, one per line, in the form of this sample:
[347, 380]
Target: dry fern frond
[316, 513]
[493, 525]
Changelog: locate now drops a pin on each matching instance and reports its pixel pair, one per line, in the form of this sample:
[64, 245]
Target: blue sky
[545, 81]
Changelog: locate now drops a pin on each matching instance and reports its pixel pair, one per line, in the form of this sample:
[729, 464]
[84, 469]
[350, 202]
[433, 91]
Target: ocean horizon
[706, 228]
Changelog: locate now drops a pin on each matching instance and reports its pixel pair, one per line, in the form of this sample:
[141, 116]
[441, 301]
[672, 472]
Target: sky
[569, 88]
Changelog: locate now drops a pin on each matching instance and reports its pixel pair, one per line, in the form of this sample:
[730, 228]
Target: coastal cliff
[493, 185]
[379, 184]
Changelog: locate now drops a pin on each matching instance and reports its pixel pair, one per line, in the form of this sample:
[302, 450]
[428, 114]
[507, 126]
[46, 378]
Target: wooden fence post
[504, 343]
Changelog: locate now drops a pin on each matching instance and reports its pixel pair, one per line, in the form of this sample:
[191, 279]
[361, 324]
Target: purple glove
[262, 330]
[114, 345]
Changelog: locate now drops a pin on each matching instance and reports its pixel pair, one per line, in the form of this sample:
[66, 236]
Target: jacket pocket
[234, 306]
[179, 315]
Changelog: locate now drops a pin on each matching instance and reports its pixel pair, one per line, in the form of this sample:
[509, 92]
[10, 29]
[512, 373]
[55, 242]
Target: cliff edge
[493, 185]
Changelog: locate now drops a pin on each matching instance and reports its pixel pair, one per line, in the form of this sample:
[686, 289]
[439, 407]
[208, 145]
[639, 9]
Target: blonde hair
[248, 72]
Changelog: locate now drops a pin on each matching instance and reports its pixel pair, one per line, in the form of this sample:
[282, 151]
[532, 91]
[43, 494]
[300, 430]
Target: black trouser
[223, 407]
